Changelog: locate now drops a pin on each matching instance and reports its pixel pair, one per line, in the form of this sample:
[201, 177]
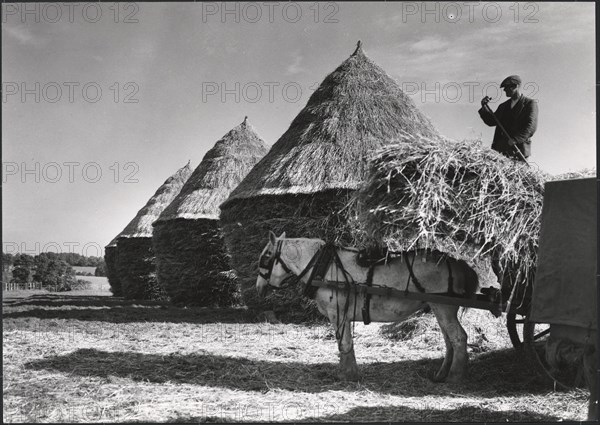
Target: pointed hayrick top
[356, 109]
[141, 225]
[221, 170]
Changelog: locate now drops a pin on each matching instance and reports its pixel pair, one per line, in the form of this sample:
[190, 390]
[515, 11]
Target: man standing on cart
[515, 120]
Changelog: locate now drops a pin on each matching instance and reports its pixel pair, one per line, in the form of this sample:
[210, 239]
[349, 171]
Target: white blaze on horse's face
[271, 272]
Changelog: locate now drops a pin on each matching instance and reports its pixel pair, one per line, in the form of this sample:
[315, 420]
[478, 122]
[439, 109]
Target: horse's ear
[272, 238]
[282, 236]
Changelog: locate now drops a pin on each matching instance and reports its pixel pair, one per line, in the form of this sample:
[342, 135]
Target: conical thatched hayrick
[192, 261]
[307, 177]
[112, 274]
[135, 259]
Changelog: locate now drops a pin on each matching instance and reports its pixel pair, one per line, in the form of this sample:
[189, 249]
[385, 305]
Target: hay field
[88, 357]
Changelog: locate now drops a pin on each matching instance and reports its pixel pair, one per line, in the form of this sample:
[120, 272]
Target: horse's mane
[342, 247]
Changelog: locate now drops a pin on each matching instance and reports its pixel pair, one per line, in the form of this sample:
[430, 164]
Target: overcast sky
[168, 73]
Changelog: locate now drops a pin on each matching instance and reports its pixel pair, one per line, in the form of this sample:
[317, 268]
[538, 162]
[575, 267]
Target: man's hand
[485, 101]
[511, 142]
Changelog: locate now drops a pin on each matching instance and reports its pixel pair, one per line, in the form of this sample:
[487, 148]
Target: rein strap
[411, 273]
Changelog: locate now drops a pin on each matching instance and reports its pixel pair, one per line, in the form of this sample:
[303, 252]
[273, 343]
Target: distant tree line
[79, 260]
[51, 269]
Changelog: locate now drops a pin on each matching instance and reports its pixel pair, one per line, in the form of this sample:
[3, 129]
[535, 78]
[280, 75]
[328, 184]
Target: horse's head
[272, 269]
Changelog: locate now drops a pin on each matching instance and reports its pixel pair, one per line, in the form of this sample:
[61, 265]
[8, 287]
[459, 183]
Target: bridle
[319, 264]
[268, 262]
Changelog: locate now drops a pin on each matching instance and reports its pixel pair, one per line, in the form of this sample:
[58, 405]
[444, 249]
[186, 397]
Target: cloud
[428, 44]
[146, 49]
[22, 35]
[295, 67]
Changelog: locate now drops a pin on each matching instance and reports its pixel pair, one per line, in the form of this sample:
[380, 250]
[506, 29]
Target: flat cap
[511, 80]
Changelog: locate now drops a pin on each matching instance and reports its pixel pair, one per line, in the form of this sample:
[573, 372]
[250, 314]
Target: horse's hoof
[438, 378]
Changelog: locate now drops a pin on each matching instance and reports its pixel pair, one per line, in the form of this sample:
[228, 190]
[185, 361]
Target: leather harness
[326, 256]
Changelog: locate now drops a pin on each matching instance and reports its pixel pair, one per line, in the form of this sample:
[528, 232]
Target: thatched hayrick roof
[192, 262]
[355, 110]
[303, 183]
[135, 259]
[459, 198]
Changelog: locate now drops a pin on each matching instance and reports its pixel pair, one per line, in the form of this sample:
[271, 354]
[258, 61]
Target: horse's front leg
[343, 335]
[454, 367]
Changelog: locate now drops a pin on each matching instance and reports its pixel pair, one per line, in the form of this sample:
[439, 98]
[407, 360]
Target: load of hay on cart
[463, 200]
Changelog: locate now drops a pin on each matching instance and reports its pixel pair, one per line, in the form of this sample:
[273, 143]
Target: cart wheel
[515, 324]
[535, 336]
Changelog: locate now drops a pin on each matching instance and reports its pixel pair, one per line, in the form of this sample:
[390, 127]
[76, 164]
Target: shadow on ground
[427, 412]
[117, 310]
[66, 299]
[406, 378]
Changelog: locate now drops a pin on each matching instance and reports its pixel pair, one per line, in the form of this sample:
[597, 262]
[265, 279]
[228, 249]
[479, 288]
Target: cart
[560, 330]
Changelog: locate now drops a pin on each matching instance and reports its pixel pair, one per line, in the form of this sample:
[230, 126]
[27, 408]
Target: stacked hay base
[318, 215]
[137, 270]
[304, 182]
[194, 263]
[112, 274]
[459, 198]
[136, 264]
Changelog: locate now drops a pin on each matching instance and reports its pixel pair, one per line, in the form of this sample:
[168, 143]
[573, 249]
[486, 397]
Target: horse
[284, 258]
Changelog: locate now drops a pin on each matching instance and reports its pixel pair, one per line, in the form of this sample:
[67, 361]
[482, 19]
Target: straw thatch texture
[193, 265]
[192, 262]
[355, 110]
[459, 198]
[135, 259]
[137, 270]
[110, 257]
[304, 181]
[246, 228]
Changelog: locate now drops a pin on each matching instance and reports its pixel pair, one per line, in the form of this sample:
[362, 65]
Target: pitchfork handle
[487, 108]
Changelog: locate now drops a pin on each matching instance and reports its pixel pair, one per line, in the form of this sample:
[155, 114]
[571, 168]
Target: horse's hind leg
[343, 334]
[589, 365]
[454, 367]
[442, 372]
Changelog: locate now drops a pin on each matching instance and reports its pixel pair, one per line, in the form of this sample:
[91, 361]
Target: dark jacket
[520, 122]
